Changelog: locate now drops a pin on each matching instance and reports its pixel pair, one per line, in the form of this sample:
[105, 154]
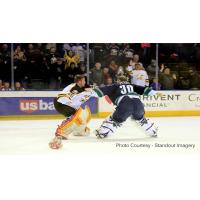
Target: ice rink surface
[31, 137]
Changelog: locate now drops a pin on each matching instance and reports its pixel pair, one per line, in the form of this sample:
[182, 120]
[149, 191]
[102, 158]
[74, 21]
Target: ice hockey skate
[56, 142]
[149, 127]
[108, 127]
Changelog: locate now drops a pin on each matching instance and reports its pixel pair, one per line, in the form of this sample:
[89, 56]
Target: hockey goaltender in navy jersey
[118, 90]
[125, 97]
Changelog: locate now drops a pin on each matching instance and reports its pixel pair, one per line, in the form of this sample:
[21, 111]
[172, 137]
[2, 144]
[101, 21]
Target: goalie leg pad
[84, 131]
[77, 124]
[84, 118]
[149, 127]
[108, 127]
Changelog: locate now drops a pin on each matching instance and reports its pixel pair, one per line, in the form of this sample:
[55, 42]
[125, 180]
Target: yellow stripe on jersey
[62, 95]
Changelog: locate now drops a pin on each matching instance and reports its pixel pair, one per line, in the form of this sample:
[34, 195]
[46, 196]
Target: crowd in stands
[42, 66]
[53, 66]
[6, 86]
[178, 68]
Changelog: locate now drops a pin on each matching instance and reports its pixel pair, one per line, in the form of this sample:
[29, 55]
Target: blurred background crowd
[52, 66]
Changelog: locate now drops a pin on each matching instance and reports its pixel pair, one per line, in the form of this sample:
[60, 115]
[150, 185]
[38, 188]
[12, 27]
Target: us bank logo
[30, 106]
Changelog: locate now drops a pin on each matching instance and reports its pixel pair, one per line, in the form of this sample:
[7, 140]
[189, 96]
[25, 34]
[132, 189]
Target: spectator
[113, 49]
[29, 68]
[42, 47]
[136, 59]
[97, 75]
[79, 52]
[35, 66]
[98, 51]
[70, 57]
[5, 63]
[197, 53]
[106, 75]
[6, 87]
[120, 71]
[130, 67]
[155, 85]
[167, 80]
[183, 81]
[52, 64]
[113, 52]
[55, 74]
[113, 68]
[132, 63]
[30, 48]
[19, 63]
[67, 47]
[52, 55]
[51, 45]
[69, 74]
[19, 54]
[128, 53]
[18, 86]
[1, 85]
[5, 52]
[151, 70]
[82, 70]
[109, 81]
[2, 73]
[139, 76]
[194, 78]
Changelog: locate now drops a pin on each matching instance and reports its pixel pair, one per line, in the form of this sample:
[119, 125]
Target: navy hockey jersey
[117, 91]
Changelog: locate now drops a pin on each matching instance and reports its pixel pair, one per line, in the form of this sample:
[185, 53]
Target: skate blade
[155, 132]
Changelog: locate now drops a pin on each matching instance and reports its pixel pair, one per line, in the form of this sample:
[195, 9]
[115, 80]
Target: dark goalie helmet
[122, 79]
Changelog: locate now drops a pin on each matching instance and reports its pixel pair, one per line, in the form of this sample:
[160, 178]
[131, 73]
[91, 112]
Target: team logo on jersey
[30, 106]
[84, 98]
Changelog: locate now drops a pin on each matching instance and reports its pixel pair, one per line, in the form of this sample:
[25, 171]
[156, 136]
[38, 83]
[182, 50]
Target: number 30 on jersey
[126, 89]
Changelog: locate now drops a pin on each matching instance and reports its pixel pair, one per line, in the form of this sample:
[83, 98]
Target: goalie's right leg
[138, 115]
[60, 132]
[77, 124]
